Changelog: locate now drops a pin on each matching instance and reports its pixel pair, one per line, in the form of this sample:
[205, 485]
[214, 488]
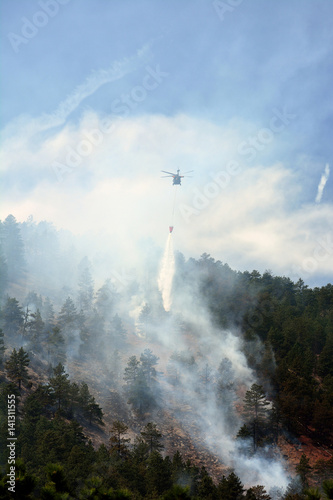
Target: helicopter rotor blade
[167, 172]
[188, 172]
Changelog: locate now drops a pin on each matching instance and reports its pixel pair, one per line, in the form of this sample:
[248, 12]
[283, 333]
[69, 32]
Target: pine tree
[131, 371]
[60, 386]
[91, 410]
[206, 487]
[152, 437]
[148, 363]
[16, 366]
[303, 470]
[36, 329]
[68, 315]
[328, 488]
[118, 443]
[13, 317]
[255, 410]
[159, 472]
[257, 493]
[230, 488]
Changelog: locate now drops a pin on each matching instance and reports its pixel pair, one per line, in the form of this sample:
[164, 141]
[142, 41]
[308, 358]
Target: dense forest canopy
[250, 354]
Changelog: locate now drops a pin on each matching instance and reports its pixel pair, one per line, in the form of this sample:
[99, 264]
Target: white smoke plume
[166, 275]
[322, 183]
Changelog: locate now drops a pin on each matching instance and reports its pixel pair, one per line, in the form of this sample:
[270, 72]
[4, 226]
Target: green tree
[148, 363]
[91, 410]
[206, 488]
[328, 488]
[117, 440]
[136, 388]
[68, 315]
[158, 473]
[36, 329]
[60, 386]
[325, 365]
[230, 488]
[255, 411]
[16, 366]
[303, 470]
[257, 493]
[152, 437]
[13, 317]
[313, 494]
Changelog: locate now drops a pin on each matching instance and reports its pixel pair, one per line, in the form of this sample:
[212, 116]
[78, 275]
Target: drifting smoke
[212, 385]
[166, 274]
[204, 370]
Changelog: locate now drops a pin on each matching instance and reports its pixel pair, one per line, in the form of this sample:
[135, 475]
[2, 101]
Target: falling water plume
[167, 272]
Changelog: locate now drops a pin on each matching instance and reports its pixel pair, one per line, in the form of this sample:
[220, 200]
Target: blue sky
[238, 91]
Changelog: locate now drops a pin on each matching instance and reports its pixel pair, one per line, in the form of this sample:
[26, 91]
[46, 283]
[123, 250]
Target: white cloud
[322, 183]
[249, 221]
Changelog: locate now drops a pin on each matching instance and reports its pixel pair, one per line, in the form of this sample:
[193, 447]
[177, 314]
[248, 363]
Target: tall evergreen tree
[60, 386]
[13, 317]
[152, 437]
[118, 442]
[16, 366]
[303, 469]
[230, 488]
[68, 315]
[148, 363]
[255, 410]
[36, 329]
[91, 410]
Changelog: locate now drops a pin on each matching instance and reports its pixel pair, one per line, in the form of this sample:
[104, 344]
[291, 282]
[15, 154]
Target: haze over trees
[258, 359]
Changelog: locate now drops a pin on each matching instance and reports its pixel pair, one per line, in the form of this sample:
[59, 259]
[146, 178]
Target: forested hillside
[116, 398]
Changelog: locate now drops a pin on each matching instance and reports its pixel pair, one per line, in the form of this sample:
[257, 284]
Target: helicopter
[176, 177]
